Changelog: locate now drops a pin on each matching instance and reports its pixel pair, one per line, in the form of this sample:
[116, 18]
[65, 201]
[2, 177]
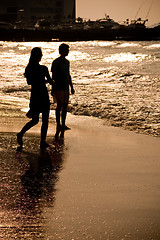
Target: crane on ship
[149, 9]
[139, 22]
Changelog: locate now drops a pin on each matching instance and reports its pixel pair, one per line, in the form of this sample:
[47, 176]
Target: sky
[119, 10]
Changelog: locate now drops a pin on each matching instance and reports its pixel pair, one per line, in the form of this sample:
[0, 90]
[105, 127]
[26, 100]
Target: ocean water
[117, 81]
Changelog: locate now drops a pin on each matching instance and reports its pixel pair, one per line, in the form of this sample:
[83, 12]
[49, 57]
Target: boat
[135, 24]
[107, 22]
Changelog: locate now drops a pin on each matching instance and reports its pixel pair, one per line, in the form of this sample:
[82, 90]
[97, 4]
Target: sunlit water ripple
[117, 81]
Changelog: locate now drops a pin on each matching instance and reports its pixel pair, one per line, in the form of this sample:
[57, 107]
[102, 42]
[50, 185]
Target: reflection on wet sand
[40, 177]
[38, 185]
[38, 174]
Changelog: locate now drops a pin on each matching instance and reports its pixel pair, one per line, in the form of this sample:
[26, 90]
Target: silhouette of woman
[37, 76]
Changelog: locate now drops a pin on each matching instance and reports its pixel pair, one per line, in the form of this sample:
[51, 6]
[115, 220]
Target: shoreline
[14, 121]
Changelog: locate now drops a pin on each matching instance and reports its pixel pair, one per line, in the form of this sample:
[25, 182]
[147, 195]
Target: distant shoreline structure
[102, 29]
[22, 35]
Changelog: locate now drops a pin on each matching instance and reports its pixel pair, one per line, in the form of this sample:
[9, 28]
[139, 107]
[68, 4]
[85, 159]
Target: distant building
[30, 11]
[8, 10]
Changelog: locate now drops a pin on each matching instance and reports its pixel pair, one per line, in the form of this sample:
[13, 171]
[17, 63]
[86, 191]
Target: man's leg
[64, 114]
[58, 127]
[64, 111]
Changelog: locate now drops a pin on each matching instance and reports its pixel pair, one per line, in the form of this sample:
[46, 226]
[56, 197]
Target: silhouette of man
[62, 81]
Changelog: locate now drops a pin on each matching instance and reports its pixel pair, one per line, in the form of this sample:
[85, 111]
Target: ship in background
[138, 22]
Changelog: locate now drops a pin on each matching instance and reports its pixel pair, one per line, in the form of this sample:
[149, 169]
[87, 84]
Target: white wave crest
[106, 44]
[77, 55]
[126, 57]
[153, 46]
[125, 45]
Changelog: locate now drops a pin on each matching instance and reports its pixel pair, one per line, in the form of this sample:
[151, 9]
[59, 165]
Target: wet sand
[99, 183]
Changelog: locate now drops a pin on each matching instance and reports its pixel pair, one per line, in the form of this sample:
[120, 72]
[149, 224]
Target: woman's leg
[28, 125]
[44, 128]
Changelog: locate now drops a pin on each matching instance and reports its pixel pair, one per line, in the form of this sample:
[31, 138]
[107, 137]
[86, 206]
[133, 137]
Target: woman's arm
[48, 77]
[28, 77]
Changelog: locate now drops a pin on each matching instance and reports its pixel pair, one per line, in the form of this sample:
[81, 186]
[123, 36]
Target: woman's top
[36, 76]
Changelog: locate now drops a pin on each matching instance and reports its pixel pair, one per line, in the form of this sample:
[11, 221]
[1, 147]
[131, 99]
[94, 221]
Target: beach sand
[101, 182]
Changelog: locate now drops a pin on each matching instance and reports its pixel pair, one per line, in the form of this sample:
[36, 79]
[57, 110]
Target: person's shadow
[39, 176]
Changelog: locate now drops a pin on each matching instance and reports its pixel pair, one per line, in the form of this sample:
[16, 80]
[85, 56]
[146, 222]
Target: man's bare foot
[62, 134]
[59, 128]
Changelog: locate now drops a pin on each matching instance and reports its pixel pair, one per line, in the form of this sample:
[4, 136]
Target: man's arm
[53, 70]
[71, 85]
[70, 80]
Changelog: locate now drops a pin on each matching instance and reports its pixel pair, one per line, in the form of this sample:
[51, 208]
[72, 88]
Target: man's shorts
[61, 96]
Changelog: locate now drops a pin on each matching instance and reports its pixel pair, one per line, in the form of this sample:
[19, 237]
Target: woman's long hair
[35, 57]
